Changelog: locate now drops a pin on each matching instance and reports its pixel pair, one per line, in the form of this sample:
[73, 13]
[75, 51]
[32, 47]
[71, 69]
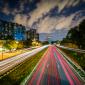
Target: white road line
[29, 76]
[11, 62]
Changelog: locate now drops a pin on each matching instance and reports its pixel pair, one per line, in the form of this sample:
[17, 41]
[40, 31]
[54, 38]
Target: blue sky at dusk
[47, 16]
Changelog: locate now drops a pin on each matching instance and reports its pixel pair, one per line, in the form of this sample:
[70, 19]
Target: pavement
[53, 69]
[10, 63]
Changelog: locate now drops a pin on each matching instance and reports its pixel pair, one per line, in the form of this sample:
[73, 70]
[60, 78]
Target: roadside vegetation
[21, 71]
[77, 57]
[75, 37]
[12, 48]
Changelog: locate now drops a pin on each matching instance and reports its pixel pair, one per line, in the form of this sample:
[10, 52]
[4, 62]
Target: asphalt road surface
[9, 63]
[53, 69]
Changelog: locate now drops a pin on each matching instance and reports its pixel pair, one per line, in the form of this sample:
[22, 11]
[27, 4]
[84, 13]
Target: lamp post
[17, 42]
[4, 42]
[2, 49]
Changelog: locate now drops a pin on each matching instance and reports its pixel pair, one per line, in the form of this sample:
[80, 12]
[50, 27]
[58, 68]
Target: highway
[53, 69]
[9, 63]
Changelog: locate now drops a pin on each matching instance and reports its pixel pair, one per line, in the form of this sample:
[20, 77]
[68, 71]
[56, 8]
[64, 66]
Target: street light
[4, 42]
[17, 42]
[2, 49]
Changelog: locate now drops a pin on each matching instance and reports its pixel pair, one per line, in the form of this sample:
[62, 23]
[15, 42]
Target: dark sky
[44, 15]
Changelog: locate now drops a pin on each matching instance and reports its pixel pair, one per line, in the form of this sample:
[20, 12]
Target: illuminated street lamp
[17, 43]
[2, 51]
[2, 48]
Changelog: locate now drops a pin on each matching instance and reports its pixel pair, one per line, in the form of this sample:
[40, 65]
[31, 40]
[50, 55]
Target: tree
[76, 35]
[82, 34]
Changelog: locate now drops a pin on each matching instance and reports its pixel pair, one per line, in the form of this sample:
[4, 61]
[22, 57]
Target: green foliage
[45, 43]
[13, 44]
[76, 35]
[78, 57]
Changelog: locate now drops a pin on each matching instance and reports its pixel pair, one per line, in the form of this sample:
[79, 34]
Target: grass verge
[77, 57]
[16, 76]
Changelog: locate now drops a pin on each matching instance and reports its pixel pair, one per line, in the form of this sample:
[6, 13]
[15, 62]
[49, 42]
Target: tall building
[32, 34]
[37, 36]
[11, 31]
[14, 31]
[6, 31]
[19, 32]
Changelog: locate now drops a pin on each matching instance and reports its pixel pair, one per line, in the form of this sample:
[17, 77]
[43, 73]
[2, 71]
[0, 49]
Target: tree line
[14, 36]
[76, 35]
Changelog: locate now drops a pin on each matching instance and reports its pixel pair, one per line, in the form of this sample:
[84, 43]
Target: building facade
[19, 32]
[14, 31]
[6, 31]
[32, 34]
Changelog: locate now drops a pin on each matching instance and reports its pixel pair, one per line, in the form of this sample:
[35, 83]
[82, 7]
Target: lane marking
[24, 82]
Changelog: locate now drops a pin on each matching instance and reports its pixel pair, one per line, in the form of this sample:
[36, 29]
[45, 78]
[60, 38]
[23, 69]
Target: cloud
[65, 23]
[70, 21]
[72, 3]
[21, 19]
[76, 2]
[60, 22]
[45, 6]
[42, 8]
[14, 12]
[5, 9]
[79, 16]
[66, 4]
[61, 5]
[46, 24]
[49, 25]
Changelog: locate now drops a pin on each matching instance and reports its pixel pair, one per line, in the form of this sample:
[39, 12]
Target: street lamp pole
[4, 42]
[2, 51]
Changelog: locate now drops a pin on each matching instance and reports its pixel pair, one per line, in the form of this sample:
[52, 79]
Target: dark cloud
[35, 13]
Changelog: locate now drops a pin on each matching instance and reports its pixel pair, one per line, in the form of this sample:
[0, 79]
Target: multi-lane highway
[8, 64]
[53, 69]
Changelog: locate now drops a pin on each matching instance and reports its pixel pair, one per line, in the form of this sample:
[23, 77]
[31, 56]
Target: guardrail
[72, 49]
